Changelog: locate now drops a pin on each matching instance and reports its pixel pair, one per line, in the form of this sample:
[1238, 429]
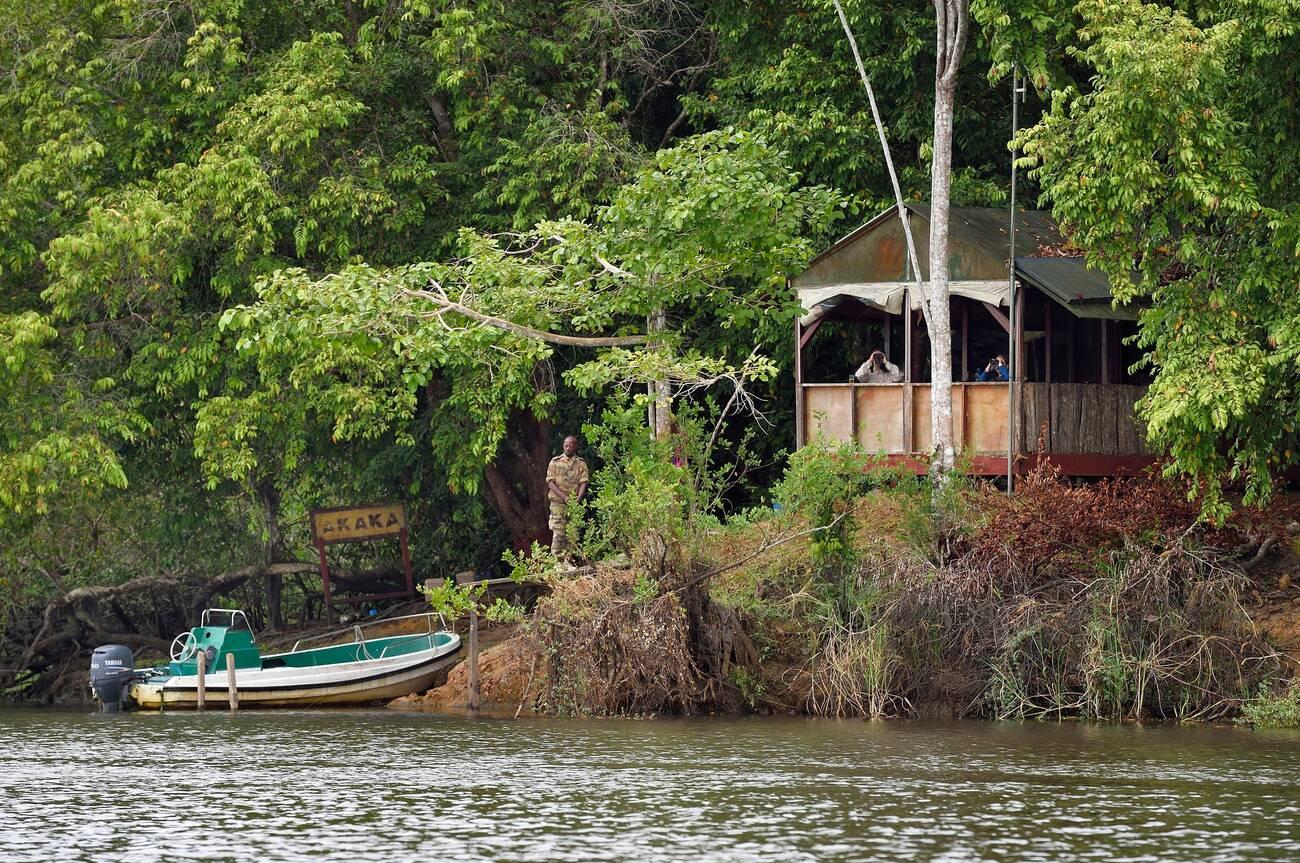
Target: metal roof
[989, 229]
[1068, 281]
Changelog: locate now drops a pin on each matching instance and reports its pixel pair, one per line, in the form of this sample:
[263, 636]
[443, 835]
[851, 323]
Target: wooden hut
[1070, 380]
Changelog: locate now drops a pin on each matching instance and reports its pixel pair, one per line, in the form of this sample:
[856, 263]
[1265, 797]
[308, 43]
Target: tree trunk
[516, 479]
[951, 20]
[661, 394]
[274, 550]
[940, 327]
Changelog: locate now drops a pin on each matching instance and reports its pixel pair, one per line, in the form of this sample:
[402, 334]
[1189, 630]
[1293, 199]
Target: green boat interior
[225, 633]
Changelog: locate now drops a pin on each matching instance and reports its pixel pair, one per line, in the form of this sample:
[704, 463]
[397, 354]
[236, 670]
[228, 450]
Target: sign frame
[369, 530]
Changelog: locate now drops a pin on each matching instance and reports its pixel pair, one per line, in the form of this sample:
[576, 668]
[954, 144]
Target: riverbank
[863, 596]
[1065, 601]
[508, 663]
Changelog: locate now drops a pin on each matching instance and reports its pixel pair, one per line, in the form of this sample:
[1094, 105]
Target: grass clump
[1274, 709]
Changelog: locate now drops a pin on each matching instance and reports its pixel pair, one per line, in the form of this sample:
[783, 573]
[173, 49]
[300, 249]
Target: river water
[376, 785]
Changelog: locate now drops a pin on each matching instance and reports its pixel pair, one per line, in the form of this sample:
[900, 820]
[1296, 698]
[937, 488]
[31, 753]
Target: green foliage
[788, 75]
[643, 503]
[823, 484]
[1273, 709]
[58, 433]
[1171, 170]
[451, 600]
[644, 588]
[503, 611]
[533, 564]
[751, 684]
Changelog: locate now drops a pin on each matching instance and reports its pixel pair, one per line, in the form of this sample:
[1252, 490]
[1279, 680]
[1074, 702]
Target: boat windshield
[232, 618]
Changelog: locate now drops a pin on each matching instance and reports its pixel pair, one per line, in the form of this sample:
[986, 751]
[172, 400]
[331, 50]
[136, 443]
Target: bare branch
[446, 305]
[889, 164]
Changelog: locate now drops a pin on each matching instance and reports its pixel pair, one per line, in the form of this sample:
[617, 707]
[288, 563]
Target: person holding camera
[995, 371]
[877, 370]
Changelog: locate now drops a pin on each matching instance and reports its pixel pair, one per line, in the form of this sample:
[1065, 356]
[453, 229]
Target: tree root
[142, 613]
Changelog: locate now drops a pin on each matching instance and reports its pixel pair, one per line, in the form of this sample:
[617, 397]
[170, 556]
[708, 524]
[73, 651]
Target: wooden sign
[350, 524]
[360, 524]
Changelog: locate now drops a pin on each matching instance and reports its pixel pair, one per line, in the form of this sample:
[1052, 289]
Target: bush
[1090, 602]
[824, 484]
[1274, 710]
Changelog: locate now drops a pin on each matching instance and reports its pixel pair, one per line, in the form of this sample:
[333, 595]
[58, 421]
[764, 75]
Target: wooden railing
[895, 418]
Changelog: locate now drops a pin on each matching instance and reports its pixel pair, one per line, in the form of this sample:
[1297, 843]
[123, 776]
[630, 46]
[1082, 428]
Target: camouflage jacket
[568, 474]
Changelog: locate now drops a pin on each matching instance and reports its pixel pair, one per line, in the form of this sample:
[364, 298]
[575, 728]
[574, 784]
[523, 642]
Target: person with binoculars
[996, 370]
[877, 370]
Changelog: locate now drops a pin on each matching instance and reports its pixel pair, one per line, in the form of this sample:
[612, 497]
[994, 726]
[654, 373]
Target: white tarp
[888, 296]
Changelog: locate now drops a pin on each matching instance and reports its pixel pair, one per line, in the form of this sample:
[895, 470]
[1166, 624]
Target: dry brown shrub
[617, 642]
[1051, 526]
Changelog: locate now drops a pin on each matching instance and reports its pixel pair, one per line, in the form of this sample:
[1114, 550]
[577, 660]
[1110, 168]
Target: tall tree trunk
[661, 393]
[951, 20]
[516, 479]
[273, 549]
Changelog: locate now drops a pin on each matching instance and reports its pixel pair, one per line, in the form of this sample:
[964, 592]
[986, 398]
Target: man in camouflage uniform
[566, 479]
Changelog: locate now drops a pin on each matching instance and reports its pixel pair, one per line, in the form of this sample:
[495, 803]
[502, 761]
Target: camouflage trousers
[561, 546]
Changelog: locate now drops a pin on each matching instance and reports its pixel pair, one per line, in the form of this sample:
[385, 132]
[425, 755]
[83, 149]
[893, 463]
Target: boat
[364, 664]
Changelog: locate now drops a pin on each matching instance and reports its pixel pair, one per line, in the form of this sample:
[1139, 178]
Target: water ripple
[370, 785]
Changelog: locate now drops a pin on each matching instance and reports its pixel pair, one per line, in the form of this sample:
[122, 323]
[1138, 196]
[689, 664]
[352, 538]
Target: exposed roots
[618, 643]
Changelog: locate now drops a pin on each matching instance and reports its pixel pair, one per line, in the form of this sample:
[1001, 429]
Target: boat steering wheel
[184, 646]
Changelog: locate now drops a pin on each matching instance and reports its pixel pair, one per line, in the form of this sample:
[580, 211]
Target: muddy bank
[508, 665]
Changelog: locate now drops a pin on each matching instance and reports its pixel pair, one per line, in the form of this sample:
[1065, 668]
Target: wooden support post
[1047, 327]
[1070, 325]
[908, 446]
[1019, 369]
[798, 384]
[965, 340]
[853, 412]
[232, 688]
[325, 579]
[473, 661]
[1105, 352]
[201, 659]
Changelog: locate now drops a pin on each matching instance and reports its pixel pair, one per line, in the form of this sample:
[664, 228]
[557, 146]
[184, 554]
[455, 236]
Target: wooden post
[798, 384]
[1070, 325]
[853, 413]
[1047, 327]
[1105, 352]
[907, 372]
[202, 659]
[473, 661]
[965, 340]
[325, 580]
[232, 689]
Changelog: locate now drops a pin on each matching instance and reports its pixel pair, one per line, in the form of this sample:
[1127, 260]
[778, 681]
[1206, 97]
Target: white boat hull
[362, 682]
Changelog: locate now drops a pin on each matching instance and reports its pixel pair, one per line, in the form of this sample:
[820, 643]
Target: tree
[708, 234]
[1171, 170]
[933, 296]
[157, 159]
[952, 22]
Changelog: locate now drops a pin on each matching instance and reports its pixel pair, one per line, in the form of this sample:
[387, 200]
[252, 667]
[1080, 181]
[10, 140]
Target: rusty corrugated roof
[1067, 280]
[989, 229]
[1084, 292]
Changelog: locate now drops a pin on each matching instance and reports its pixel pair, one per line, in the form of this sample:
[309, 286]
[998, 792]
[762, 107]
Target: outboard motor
[111, 669]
